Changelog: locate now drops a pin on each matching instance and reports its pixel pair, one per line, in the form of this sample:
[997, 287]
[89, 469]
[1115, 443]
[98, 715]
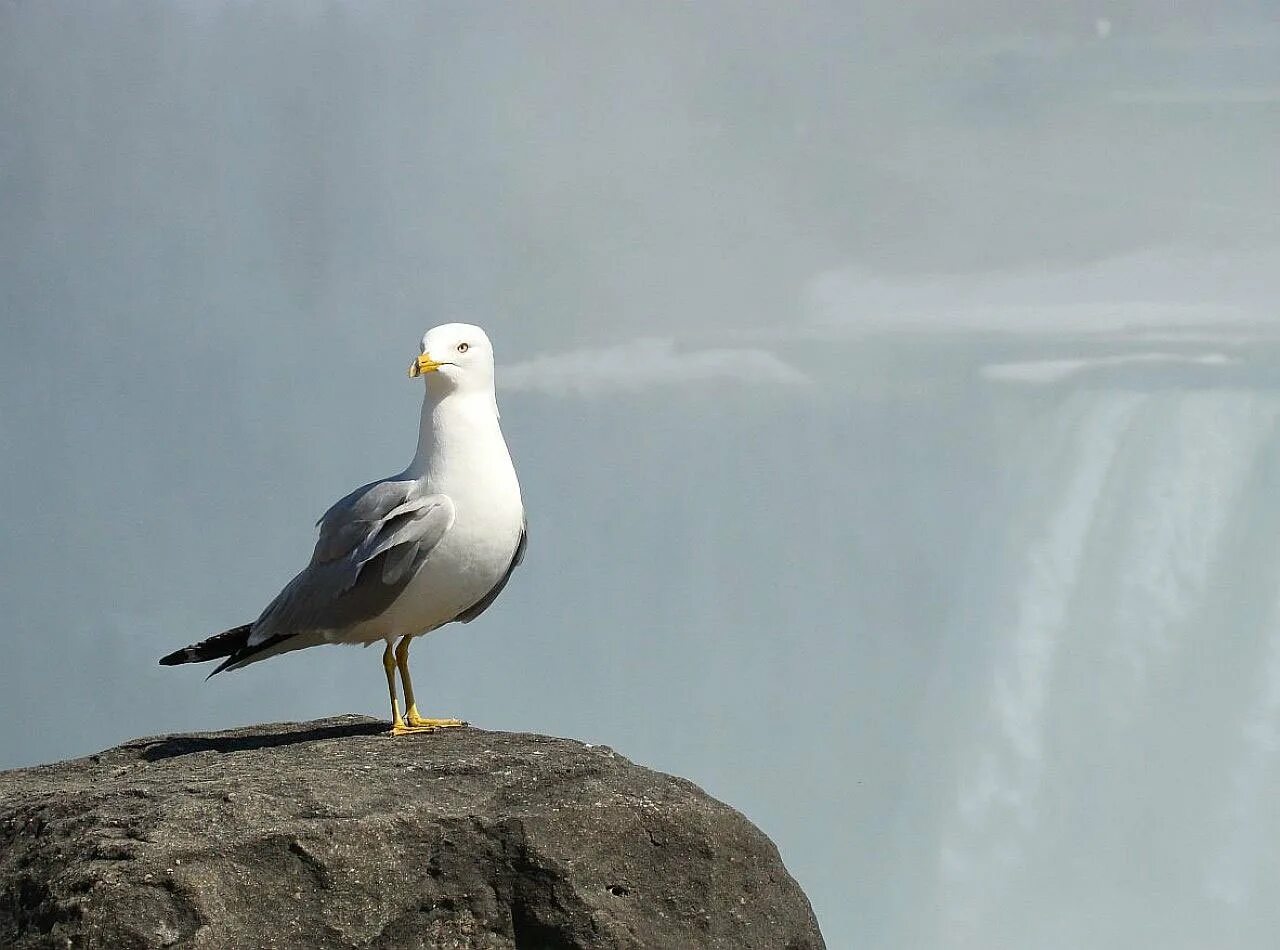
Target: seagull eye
[463, 347]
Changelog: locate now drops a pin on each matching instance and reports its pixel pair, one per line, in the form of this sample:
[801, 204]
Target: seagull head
[455, 356]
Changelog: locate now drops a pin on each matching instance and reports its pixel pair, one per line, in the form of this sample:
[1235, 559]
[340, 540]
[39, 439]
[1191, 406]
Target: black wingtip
[224, 644]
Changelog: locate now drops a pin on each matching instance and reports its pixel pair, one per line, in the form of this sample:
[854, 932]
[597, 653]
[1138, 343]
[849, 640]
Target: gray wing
[371, 544]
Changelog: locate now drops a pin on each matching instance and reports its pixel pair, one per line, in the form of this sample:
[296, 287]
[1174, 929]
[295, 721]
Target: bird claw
[417, 722]
[403, 729]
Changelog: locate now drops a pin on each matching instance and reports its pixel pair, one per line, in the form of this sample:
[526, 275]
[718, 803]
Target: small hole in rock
[617, 890]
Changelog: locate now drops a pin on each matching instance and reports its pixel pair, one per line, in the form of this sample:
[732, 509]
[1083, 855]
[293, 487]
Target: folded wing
[371, 544]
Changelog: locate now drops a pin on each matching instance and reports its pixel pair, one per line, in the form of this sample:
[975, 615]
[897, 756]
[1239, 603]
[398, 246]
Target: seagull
[399, 557]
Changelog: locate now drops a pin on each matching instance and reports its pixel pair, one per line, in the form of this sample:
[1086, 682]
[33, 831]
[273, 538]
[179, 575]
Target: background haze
[893, 390]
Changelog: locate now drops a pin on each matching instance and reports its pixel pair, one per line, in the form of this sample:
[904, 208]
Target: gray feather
[371, 545]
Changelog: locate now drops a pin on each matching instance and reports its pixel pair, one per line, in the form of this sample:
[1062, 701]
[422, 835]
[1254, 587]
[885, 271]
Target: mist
[894, 394]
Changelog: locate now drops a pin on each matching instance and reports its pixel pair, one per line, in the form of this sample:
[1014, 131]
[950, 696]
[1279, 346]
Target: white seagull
[399, 557]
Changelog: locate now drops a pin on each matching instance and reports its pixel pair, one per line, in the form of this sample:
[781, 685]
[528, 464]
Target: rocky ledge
[329, 834]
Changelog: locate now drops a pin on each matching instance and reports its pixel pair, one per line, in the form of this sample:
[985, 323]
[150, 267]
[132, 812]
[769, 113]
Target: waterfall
[1128, 626]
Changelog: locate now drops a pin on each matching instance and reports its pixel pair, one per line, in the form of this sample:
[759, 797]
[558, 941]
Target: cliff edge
[327, 834]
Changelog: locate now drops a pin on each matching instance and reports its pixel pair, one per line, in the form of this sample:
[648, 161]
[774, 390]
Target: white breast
[472, 466]
[467, 563]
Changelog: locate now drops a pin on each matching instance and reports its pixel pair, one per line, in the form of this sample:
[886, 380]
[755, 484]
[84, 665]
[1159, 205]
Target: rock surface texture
[329, 834]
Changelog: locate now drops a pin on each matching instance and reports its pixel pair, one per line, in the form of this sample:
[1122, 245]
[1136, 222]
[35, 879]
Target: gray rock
[328, 834]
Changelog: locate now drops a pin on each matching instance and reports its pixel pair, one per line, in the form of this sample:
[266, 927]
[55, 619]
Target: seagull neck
[450, 427]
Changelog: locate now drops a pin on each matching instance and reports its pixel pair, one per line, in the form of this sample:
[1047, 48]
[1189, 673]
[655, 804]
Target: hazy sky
[893, 388]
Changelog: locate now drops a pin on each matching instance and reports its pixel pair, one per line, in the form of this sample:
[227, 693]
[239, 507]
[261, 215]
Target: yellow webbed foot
[409, 729]
[435, 723]
[414, 721]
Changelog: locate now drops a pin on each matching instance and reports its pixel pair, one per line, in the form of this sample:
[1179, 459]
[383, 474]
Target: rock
[329, 834]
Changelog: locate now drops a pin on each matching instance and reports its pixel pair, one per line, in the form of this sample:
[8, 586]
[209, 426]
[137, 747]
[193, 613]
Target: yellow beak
[423, 364]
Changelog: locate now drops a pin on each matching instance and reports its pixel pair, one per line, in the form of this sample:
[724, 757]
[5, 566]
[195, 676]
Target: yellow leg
[399, 727]
[411, 718]
[389, 664]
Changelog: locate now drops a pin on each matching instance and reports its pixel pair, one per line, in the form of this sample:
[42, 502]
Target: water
[1110, 778]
